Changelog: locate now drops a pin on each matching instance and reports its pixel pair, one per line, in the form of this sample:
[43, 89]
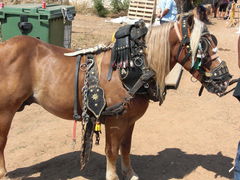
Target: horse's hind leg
[5, 122]
[125, 148]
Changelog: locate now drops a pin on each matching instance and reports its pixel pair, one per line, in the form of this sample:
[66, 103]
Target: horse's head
[189, 43]
[197, 53]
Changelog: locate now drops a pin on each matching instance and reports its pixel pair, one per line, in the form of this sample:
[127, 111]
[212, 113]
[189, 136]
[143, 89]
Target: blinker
[204, 45]
[214, 39]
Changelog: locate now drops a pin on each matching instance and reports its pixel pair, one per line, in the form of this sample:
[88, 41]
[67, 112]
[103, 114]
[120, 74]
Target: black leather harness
[76, 116]
[129, 59]
[185, 43]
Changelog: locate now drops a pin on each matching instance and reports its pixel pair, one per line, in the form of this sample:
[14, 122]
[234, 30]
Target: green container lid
[52, 11]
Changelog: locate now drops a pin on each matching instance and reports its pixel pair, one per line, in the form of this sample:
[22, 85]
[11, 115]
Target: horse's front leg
[5, 122]
[114, 132]
[125, 148]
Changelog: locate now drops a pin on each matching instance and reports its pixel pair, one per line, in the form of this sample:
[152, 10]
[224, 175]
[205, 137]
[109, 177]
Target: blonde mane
[195, 37]
[158, 48]
[158, 52]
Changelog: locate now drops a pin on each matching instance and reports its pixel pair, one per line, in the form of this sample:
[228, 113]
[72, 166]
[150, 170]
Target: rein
[76, 115]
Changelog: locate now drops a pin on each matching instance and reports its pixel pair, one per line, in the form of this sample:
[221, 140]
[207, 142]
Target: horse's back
[29, 43]
[29, 67]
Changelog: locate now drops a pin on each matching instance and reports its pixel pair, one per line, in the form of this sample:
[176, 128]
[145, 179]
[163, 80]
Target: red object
[1, 5]
[74, 131]
[44, 4]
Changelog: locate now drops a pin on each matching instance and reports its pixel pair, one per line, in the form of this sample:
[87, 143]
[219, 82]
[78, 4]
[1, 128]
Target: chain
[85, 116]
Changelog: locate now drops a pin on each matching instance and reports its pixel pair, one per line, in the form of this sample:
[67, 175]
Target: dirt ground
[188, 137]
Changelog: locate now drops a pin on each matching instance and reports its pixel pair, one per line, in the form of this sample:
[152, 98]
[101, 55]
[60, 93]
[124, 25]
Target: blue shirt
[171, 5]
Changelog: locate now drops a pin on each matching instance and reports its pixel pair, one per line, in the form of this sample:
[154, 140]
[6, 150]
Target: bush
[100, 9]
[83, 7]
[118, 5]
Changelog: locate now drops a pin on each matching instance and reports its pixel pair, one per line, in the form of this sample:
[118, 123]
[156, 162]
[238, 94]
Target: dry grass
[83, 7]
[89, 31]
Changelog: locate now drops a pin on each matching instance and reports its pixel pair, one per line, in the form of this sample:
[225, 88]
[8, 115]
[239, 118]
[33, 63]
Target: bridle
[184, 41]
[216, 76]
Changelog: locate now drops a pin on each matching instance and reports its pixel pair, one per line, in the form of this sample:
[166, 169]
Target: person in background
[229, 7]
[202, 14]
[167, 11]
[237, 165]
[215, 4]
[223, 8]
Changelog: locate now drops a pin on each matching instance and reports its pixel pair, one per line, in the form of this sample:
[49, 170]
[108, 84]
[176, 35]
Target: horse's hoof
[2, 175]
[134, 176]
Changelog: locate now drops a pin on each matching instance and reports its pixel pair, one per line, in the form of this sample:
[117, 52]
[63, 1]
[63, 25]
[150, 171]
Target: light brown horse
[33, 71]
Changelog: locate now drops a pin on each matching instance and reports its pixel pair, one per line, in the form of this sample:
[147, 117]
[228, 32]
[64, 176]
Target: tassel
[97, 131]
[97, 127]
[74, 134]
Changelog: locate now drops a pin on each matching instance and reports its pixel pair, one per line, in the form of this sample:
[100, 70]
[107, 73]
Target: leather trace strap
[76, 116]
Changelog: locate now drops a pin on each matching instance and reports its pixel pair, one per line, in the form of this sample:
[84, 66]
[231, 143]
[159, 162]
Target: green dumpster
[52, 24]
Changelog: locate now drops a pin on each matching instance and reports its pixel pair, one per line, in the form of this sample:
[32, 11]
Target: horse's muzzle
[217, 80]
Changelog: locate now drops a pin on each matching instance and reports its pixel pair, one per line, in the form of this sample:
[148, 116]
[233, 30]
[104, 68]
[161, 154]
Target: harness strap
[114, 110]
[110, 71]
[201, 91]
[188, 55]
[146, 76]
[76, 116]
[185, 41]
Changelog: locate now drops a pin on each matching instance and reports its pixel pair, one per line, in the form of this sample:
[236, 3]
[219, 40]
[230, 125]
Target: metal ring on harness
[192, 79]
[146, 85]
[138, 61]
[83, 67]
